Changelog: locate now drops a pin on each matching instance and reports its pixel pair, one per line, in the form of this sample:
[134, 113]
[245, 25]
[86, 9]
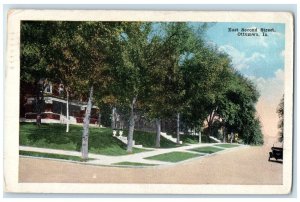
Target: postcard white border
[12, 82]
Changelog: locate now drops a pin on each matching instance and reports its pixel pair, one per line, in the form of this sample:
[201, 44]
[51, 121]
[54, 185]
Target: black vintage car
[276, 152]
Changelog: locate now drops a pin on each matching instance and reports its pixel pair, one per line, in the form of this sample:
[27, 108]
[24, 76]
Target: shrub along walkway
[149, 158]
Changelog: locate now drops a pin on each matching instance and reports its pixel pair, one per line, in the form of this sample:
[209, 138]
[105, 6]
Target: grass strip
[52, 156]
[173, 156]
[227, 145]
[127, 163]
[207, 150]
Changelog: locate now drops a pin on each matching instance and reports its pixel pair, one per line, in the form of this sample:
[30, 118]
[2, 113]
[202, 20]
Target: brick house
[54, 105]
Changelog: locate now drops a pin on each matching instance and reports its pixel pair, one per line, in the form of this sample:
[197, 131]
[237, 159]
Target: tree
[155, 102]
[35, 38]
[62, 61]
[251, 132]
[221, 79]
[129, 67]
[218, 93]
[76, 52]
[206, 75]
[163, 74]
[95, 41]
[169, 49]
[280, 112]
[237, 110]
[179, 45]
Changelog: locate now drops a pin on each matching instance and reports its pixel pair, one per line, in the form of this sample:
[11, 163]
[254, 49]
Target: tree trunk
[209, 132]
[39, 103]
[99, 119]
[224, 135]
[86, 122]
[210, 122]
[131, 126]
[68, 121]
[178, 129]
[158, 130]
[199, 136]
[231, 137]
[113, 120]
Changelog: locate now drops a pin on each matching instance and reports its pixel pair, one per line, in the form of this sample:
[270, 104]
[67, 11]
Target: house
[54, 104]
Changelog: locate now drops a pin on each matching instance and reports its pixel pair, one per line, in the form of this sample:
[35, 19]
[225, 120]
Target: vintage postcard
[148, 102]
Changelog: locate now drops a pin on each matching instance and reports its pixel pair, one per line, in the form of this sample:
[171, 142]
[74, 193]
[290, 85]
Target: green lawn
[54, 136]
[189, 139]
[147, 139]
[173, 156]
[127, 163]
[193, 139]
[208, 150]
[47, 155]
[227, 145]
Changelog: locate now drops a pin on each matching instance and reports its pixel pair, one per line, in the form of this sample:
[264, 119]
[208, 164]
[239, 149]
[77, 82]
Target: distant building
[53, 108]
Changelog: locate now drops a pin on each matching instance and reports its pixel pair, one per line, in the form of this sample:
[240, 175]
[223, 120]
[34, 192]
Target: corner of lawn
[173, 156]
[207, 150]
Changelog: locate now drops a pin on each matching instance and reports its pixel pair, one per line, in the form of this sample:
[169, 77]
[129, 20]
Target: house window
[48, 88]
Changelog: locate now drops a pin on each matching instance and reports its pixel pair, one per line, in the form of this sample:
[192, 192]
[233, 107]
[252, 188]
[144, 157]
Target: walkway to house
[98, 159]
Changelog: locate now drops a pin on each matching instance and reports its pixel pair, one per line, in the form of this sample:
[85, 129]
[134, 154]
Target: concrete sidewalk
[136, 158]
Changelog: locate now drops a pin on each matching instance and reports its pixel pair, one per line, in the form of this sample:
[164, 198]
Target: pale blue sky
[259, 57]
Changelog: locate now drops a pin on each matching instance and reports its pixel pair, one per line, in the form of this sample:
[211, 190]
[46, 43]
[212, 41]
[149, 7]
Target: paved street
[244, 165]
